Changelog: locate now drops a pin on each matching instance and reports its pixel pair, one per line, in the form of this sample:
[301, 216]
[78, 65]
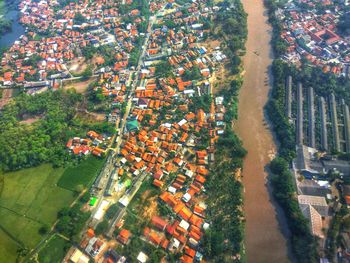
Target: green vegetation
[52, 122]
[71, 221]
[81, 176]
[31, 198]
[344, 23]
[231, 27]
[26, 145]
[5, 24]
[8, 248]
[163, 69]
[32, 61]
[54, 251]
[304, 245]
[79, 19]
[278, 44]
[102, 227]
[193, 74]
[225, 236]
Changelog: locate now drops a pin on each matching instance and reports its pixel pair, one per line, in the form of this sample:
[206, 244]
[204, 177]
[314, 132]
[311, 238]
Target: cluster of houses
[56, 36]
[174, 122]
[169, 138]
[311, 33]
[174, 141]
[95, 144]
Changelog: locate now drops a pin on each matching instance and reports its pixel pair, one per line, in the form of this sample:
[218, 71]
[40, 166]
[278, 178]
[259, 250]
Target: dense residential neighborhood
[126, 136]
[310, 32]
[151, 70]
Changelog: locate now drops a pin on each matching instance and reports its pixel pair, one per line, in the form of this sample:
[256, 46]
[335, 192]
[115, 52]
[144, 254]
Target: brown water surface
[265, 242]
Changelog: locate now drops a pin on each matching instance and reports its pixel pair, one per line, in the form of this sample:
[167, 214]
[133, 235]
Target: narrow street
[109, 168]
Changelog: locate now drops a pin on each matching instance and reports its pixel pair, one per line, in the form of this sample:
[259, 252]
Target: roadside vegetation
[54, 250]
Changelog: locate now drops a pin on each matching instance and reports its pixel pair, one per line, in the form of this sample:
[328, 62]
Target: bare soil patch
[150, 210]
[81, 86]
[6, 96]
[29, 119]
[77, 66]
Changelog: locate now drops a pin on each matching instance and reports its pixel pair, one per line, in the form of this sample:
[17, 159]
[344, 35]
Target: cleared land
[81, 176]
[31, 199]
[79, 86]
[54, 251]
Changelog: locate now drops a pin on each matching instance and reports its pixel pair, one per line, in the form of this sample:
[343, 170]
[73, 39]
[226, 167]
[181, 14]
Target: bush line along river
[265, 241]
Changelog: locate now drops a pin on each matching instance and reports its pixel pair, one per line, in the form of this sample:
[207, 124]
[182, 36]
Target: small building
[124, 236]
[159, 223]
[79, 257]
[142, 257]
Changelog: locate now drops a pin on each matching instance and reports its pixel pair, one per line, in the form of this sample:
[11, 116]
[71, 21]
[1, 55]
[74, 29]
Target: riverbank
[303, 244]
[13, 29]
[5, 24]
[265, 241]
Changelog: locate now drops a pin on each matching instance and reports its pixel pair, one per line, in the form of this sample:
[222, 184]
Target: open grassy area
[54, 250]
[82, 175]
[31, 199]
[8, 247]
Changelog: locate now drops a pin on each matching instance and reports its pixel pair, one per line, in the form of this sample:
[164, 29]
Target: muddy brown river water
[265, 242]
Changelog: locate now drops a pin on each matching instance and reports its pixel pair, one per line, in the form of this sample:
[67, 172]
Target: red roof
[159, 223]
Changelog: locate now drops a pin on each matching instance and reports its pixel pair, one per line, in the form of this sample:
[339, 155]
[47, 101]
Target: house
[124, 236]
[94, 246]
[159, 223]
[79, 257]
[142, 257]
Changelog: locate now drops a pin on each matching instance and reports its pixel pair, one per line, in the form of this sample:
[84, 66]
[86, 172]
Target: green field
[81, 176]
[54, 251]
[8, 247]
[29, 200]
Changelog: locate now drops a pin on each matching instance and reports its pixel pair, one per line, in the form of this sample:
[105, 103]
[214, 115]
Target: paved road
[108, 170]
[121, 212]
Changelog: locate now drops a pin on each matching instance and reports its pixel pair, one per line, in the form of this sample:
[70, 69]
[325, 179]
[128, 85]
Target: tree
[193, 74]
[87, 73]
[344, 23]
[79, 18]
[102, 227]
[278, 165]
[163, 69]
[43, 230]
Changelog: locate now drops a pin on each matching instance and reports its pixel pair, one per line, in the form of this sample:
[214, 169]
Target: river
[265, 228]
[9, 38]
